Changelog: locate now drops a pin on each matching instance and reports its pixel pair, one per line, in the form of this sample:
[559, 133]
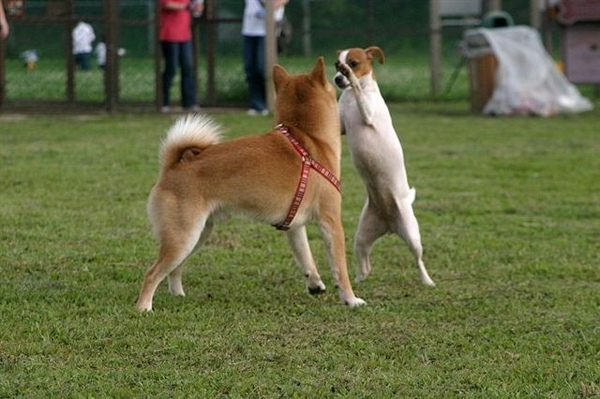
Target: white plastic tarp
[527, 80]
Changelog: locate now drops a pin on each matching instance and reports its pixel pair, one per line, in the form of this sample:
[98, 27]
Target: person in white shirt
[253, 32]
[83, 37]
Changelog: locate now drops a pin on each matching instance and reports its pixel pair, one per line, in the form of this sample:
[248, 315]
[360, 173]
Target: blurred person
[4, 28]
[101, 53]
[83, 37]
[177, 48]
[253, 32]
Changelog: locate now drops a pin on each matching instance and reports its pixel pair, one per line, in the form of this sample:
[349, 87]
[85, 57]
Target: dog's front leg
[364, 107]
[333, 235]
[301, 249]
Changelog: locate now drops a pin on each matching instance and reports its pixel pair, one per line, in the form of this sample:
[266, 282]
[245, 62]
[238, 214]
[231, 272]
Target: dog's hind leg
[178, 236]
[175, 285]
[301, 249]
[370, 228]
[408, 228]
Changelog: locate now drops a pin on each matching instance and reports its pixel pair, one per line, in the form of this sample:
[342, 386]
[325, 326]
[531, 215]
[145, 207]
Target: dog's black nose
[339, 80]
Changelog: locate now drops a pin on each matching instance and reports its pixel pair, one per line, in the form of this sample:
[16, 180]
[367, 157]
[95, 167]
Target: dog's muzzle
[341, 81]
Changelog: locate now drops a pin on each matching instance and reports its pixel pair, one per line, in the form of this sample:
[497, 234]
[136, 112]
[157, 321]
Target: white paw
[175, 287]
[426, 280]
[363, 272]
[354, 302]
[176, 291]
[144, 308]
[429, 282]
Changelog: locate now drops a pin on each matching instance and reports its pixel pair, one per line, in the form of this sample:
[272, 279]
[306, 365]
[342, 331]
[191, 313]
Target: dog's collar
[307, 163]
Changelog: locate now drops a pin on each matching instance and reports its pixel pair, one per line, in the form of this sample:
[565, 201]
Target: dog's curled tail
[186, 139]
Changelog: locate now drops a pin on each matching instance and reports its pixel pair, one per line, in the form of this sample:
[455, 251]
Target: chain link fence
[320, 27]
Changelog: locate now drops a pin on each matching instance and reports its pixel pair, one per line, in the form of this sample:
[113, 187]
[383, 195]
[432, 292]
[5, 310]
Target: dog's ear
[318, 73]
[374, 50]
[280, 76]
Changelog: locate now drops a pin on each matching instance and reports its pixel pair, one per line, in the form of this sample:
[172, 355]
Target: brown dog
[284, 177]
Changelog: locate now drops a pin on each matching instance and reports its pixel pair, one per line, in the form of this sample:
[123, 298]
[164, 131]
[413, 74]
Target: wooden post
[534, 14]
[435, 45]
[157, 59]
[270, 54]
[492, 5]
[196, 56]
[370, 21]
[210, 13]
[111, 73]
[306, 30]
[2, 73]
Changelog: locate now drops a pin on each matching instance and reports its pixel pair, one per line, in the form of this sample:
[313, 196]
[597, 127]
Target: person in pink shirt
[4, 28]
[176, 43]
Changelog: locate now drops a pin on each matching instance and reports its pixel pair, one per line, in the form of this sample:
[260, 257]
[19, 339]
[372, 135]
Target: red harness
[307, 163]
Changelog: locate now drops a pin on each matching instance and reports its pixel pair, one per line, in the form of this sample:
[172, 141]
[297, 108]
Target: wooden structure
[581, 40]
[466, 13]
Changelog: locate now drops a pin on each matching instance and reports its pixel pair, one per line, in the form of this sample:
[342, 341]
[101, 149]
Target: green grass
[510, 219]
[404, 77]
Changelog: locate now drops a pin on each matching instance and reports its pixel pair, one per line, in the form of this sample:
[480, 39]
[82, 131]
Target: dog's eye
[353, 63]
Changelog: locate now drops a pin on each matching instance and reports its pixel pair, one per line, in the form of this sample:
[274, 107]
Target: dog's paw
[316, 289]
[427, 281]
[176, 289]
[363, 272]
[350, 300]
[143, 308]
[344, 69]
[354, 302]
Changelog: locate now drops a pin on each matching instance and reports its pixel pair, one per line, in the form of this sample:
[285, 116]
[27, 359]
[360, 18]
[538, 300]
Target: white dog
[377, 154]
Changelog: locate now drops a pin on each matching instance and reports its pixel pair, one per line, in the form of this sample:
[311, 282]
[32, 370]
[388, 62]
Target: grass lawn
[510, 217]
[406, 77]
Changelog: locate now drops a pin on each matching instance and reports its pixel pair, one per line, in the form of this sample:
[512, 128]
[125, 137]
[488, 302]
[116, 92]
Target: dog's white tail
[191, 133]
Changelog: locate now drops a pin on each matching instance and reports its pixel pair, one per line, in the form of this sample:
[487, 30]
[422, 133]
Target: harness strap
[307, 163]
